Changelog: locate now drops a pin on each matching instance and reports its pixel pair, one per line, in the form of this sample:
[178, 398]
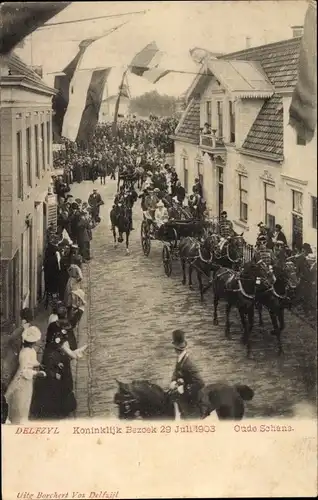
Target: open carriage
[170, 234]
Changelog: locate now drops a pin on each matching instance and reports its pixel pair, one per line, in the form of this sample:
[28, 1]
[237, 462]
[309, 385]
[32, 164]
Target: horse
[198, 254]
[278, 297]
[228, 401]
[231, 253]
[141, 399]
[120, 218]
[238, 288]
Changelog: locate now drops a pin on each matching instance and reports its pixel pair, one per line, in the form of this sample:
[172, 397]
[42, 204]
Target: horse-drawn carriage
[170, 235]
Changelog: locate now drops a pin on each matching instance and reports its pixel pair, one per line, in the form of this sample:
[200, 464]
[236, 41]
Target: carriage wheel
[145, 238]
[166, 259]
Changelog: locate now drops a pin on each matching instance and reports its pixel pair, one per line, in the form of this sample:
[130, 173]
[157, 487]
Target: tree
[153, 103]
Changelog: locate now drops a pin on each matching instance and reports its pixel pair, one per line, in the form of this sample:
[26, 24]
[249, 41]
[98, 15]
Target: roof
[17, 68]
[266, 134]
[279, 60]
[189, 128]
[242, 78]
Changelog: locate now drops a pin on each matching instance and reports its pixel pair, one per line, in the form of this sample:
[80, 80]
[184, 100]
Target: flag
[62, 84]
[86, 93]
[146, 63]
[120, 93]
[19, 19]
[91, 110]
[303, 108]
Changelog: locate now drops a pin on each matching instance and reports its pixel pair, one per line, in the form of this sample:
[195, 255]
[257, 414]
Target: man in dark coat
[279, 235]
[186, 380]
[95, 201]
[180, 193]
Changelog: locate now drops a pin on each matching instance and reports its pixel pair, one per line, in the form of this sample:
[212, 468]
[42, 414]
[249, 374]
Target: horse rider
[263, 253]
[226, 229]
[186, 381]
[95, 201]
[280, 252]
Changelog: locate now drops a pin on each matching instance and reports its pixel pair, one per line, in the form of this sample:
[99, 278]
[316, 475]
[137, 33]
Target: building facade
[235, 136]
[26, 169]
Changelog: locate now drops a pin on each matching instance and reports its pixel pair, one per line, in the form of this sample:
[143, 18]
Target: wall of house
[246, 111]
[300, 174]
[24, 189]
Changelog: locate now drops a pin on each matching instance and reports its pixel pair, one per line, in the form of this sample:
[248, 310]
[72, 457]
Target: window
[297, 202]
[37, 153]
[28, 156]
[49, 141]
[269, 195]
[185, 174]
[314, 211]
[42, 145]
[19, 165]
[220, 190]
[208, 112]
[232, 122]
[243, 198]
[200, 176]
[220, 119]
[300, 141]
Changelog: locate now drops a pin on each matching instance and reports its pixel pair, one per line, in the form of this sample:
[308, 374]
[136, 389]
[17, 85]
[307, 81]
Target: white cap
[31, 334]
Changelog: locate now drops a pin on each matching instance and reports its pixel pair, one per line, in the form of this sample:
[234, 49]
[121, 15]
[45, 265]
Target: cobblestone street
[133, 308]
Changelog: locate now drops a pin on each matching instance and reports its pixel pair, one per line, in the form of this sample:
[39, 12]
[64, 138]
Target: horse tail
[245, 392]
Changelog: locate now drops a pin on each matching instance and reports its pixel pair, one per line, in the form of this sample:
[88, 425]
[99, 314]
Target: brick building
[26, 167]
[251, 163]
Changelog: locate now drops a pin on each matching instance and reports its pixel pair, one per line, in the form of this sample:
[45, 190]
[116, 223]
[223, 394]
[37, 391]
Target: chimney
[247, 42]
[297, 31]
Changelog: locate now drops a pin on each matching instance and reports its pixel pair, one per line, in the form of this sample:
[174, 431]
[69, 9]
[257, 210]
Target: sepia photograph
[158, 242]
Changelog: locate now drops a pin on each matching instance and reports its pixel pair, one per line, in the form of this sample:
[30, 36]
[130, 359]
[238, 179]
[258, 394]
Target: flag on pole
[62, 83]
[120, 93]
[91, 109]
[303, 108]
[20, 19]
[86, 94]
[146, 63]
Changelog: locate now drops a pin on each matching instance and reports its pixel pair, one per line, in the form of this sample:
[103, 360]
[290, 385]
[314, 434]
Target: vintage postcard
[158, 249]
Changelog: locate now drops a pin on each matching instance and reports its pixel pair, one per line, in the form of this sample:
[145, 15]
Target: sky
[219, 26]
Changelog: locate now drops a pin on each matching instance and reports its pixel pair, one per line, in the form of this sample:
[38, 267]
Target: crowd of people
[136, 156]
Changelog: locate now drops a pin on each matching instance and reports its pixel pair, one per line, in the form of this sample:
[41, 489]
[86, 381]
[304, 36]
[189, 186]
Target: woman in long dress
[19, 392]
[74, 283]
[54, 396]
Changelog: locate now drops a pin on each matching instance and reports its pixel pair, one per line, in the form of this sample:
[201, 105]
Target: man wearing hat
[279, 235]
[186, 381]
[263, 253]
[95, 201]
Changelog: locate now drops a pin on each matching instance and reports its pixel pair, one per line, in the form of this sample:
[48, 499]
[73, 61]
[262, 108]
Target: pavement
[132, 308]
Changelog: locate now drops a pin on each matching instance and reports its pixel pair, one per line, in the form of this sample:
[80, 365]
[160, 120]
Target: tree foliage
[153, 103]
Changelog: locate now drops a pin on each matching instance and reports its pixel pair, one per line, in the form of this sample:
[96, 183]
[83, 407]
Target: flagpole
[114, 127]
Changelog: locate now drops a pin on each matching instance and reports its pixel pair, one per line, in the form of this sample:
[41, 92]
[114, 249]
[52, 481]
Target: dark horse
[231, 253]
[238, 288]
[198, 254]
[277, 297]
[144, 400]
[120, 218]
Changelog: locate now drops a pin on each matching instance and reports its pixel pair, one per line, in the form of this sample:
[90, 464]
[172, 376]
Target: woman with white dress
[19, 392]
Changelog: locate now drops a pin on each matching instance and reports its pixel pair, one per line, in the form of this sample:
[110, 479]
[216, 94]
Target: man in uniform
[186, 380]
[225, 228]
[263, 253]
